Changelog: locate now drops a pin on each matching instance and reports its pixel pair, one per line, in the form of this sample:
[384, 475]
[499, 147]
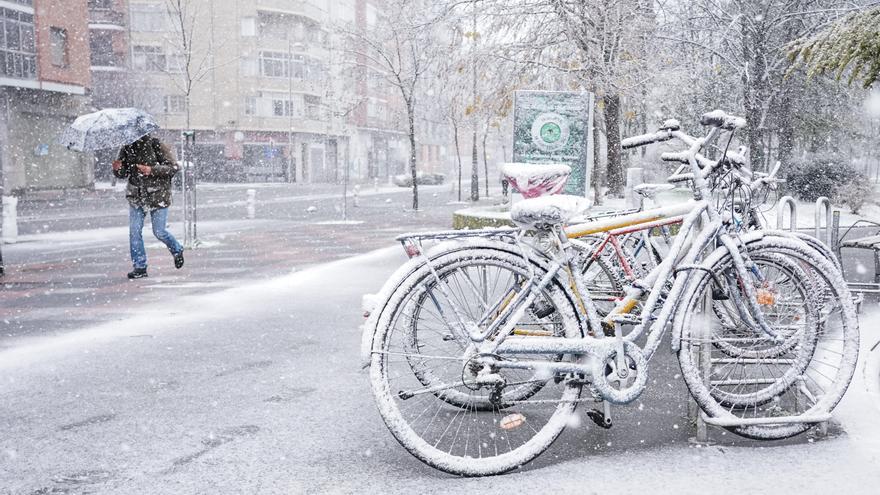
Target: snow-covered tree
[850, 43]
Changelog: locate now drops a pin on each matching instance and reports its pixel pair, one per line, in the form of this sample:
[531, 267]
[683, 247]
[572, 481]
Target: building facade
[271, 88]
[256, 85]
[110, 69]
[45, 80]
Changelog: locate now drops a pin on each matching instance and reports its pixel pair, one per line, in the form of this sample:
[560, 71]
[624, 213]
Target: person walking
[149, 165]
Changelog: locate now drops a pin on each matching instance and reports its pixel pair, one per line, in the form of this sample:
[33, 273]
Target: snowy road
[256, 389]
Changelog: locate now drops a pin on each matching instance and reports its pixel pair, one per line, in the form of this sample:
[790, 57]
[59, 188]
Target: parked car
[422, 179]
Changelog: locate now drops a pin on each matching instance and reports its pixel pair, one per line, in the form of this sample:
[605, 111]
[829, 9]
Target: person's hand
[145, 169]
[117, 164]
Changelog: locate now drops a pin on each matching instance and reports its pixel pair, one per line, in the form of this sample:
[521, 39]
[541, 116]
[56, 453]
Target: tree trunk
[457, 154]
[485, 161]
[412, 153]
[754, 88]
[615, 176]
[475, 170]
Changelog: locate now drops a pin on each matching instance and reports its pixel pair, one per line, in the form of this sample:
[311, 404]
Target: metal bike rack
[824, 204]
[789, 203]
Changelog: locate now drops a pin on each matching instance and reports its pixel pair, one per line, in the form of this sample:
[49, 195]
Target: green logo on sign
[550, 132]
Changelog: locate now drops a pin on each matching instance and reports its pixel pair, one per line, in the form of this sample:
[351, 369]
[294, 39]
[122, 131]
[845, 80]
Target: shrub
[855, 194]
[822, 177]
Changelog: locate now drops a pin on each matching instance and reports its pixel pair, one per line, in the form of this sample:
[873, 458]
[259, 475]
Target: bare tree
[402, 48]
[193, 58]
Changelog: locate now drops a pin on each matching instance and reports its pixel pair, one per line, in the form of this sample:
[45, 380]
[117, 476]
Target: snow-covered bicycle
[479, 350]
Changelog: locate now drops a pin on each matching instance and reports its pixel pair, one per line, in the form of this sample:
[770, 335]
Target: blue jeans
[159, 218]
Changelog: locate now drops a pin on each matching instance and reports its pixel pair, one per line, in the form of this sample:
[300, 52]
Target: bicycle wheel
[604, 285]
[808, 381]
[793, 310]
[445, 423]
[472, 283]
[746, 366]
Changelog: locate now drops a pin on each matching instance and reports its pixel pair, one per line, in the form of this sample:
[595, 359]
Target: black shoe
[137, 273]
[178, 260]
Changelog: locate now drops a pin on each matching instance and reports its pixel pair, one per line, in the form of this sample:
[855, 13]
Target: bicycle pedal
[599, 418]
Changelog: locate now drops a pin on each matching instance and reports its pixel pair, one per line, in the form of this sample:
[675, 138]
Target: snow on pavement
[257, 389]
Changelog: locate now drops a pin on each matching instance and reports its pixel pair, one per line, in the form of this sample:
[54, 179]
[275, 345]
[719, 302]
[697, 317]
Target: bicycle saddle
[547, 211]
[536, 179]
[651, 191]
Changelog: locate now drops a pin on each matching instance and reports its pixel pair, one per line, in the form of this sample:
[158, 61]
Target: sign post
[556, 127]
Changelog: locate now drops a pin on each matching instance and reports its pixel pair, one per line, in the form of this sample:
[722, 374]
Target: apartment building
[275, 92]
[109, 59]
[44, 83]
[254, 87]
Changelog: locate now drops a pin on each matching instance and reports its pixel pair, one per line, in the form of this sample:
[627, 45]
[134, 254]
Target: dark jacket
[147, 191]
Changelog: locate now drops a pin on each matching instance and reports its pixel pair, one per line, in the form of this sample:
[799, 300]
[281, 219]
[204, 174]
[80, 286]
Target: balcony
[301, 7]
[103, 18]
[108, 61]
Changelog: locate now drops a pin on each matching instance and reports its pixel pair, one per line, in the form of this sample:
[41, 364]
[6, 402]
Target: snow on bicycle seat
[536, 179]
[651, 191]
[547, 211]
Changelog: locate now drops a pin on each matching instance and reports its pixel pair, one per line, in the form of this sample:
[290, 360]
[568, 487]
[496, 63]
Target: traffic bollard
[10, 219]
[355, 194]
[251, 203]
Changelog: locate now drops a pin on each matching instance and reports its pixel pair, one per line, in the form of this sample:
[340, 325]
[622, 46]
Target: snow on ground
[257, 389]
[185, 311]
[58, 241]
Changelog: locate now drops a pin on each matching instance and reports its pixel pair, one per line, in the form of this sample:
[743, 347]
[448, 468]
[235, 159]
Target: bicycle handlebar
[721, 120]
[665, 133]
[646, 139]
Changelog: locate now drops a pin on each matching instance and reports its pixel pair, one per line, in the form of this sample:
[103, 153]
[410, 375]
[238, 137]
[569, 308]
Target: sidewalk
[59, 280]
[107, 207]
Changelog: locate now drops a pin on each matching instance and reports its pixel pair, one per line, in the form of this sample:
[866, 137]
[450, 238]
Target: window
[274, 64]
[101, 4]
[17, 51]
[148, 58]
[249, 66]
[175, 104]
[248, 26]
[282, 108]
[176, 63]
[314, 108]
[101, 47]
[149, 18]
[58, 46]
[250, 105]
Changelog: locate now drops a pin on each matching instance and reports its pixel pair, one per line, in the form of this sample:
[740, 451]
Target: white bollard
[251, 203]
[355, 194]
[376, 184]
[10, 219]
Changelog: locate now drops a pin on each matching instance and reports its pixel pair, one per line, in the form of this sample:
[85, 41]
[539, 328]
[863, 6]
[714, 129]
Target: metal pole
[291, 174]
[184, 206]
[195, 215]
[2, 192]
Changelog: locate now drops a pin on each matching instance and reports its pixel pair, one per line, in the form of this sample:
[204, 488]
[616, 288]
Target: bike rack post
[835, 234]
[705, 364]
[824, 203]
[786, 201]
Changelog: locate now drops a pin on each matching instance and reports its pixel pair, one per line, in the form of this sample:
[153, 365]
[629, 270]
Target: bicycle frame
[701, 227]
